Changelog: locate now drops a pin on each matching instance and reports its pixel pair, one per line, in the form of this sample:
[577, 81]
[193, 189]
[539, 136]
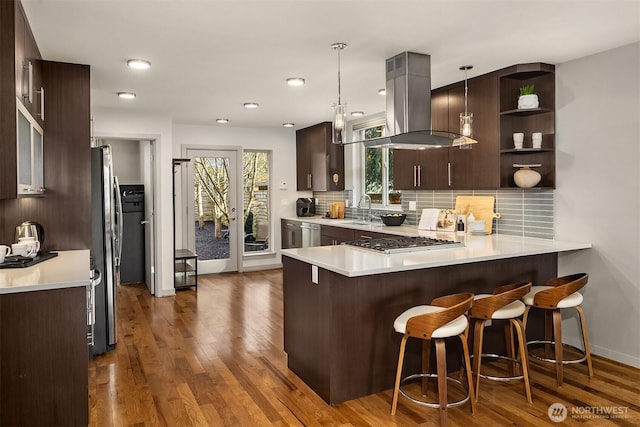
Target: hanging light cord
[466, 89]
[339, 47]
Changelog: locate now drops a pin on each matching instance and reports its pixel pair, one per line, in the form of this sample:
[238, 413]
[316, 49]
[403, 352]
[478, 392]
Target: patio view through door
[212, 209]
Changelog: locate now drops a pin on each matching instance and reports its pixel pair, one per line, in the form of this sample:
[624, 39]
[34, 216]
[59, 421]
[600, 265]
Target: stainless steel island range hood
[408, 107]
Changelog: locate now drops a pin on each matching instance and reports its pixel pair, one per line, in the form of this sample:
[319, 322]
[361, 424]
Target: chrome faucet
[365, 197]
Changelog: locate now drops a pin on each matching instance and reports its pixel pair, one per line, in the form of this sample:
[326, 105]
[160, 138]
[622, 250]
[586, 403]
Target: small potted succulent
[528, 99]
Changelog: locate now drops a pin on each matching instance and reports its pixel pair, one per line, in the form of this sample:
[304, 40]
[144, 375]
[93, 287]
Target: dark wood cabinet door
[43, 347]
[20, 26]
[330, 235]
[303, 160]
[8, 91]
[434, 169]
[319, 163]
[460, 167]
[434, 163]
[483, 103]
[405, 163]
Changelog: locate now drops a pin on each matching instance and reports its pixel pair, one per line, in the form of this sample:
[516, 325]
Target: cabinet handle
[365, 237]
[419, 176]
[415, 176]
[308, 180]
[41, 113]
[28, 67]
[449, 173]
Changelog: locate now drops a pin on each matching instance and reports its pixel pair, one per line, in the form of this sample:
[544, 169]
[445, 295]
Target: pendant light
[466, 118]
[340, 110]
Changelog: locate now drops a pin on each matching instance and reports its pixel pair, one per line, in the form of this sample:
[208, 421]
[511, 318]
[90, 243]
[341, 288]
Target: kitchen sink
[370, 224]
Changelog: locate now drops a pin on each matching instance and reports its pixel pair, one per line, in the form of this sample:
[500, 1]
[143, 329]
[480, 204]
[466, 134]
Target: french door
[212, 209]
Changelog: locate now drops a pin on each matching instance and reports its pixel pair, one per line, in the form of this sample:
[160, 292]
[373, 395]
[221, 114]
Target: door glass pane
[211, 190]
[255, 175]
[38, 168]
[24, 149]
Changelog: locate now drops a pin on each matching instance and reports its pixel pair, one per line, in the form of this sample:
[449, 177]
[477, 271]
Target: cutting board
[482, 207]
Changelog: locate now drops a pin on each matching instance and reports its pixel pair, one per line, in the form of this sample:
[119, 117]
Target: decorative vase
[526, 177]
[526, 102]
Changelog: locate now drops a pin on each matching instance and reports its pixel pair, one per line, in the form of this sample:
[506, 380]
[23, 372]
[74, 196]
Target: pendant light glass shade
[466, 118]
[339, 123]
[339, 109]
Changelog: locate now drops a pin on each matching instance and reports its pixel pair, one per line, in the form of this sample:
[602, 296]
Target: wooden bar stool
[444, 318]
[558, 293]
[504, 304]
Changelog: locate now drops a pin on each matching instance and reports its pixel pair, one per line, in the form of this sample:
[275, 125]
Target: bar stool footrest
[564, 362]
[407, 379]
[498, 356]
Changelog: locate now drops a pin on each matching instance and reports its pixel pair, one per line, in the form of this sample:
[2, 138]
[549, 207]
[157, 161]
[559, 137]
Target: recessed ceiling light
[382, 91]
[222, 121]
[126, 95]
[288, 125]
[357, 113]
[295, 81]
[250, 105]
[139, 64]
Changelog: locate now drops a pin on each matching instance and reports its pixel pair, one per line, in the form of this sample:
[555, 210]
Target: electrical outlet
[314, 274]
[412, 205]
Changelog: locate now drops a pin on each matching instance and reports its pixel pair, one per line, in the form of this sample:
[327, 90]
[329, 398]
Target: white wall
[115, 123]
[283, 168]
[598, 194]
[126, 160]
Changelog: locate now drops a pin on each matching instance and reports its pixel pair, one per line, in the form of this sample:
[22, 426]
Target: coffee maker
[305, 206]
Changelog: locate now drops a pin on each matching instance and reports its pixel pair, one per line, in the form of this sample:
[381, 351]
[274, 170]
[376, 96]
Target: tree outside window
[378, 168]
[212, 197]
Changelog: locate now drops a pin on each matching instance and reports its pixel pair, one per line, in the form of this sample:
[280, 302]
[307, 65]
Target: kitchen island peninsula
[340, 302]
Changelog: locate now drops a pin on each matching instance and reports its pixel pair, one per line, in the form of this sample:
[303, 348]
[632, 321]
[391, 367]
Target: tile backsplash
[527, 213]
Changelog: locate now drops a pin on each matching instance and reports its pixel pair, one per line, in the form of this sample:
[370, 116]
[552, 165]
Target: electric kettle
[30, 229]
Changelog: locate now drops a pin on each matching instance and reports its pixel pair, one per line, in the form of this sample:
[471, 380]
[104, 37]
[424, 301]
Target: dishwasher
[310, 234]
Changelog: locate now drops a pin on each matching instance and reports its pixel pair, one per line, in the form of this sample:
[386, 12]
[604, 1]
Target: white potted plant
[528, 99]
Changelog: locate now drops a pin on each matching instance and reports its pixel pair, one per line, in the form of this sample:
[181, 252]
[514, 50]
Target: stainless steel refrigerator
[106, 226]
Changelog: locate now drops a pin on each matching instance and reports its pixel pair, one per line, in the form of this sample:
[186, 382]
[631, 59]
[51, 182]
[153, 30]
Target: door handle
[233, 218]
[144, 222]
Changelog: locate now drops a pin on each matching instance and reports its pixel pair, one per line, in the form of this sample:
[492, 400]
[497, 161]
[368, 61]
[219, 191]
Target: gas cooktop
[392, 245]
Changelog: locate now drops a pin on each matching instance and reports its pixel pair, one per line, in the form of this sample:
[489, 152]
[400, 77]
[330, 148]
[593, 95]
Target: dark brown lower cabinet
[44, 358]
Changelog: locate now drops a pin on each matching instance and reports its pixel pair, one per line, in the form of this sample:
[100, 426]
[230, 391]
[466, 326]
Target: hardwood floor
[215, 358]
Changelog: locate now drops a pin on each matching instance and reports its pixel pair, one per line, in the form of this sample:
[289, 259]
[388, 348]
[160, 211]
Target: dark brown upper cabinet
[28, 67]
[493, 100]
[319, 163]
[455, 168]
[21, 83]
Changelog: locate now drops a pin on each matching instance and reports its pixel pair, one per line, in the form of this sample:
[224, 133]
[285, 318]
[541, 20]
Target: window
[377, 165]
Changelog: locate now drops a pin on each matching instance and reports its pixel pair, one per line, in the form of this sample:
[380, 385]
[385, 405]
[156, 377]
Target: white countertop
[69, 269]
[352, 262]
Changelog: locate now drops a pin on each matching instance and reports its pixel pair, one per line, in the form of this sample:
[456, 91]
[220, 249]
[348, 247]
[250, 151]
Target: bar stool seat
[503, 304]
[444, 318]
[509, 311]
[451, 329]
[558, 293]
[570, 301]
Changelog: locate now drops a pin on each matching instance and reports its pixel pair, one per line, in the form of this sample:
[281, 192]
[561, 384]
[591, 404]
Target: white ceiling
[210, 56]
